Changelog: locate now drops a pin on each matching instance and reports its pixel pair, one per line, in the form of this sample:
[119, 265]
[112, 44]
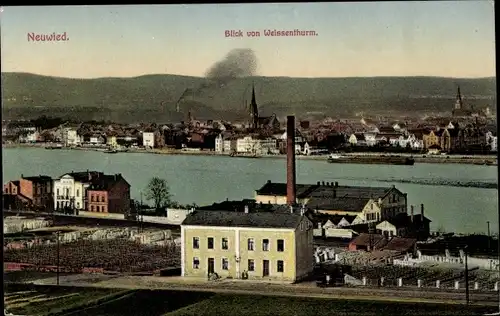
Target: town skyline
[407, 39]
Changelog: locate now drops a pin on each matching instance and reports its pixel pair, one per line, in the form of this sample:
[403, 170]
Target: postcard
[325, 144]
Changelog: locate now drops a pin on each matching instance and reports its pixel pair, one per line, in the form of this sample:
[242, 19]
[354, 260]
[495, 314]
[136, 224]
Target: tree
[158, 192]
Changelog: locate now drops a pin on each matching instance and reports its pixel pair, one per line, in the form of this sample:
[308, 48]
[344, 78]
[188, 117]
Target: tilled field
[119, 255]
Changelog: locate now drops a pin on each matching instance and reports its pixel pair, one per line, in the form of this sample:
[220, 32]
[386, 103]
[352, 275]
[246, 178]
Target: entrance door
[211, 265]
[265, 268]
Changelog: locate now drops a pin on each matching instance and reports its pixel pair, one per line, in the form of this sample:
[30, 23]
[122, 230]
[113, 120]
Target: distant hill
[154, 96]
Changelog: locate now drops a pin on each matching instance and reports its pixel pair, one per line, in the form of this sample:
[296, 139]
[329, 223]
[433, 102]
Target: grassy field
[55, 301]
[50, 300]
[251, 305]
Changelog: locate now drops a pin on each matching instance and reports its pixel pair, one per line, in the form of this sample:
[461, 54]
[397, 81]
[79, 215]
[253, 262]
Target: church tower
[254, 111]
[459, 101]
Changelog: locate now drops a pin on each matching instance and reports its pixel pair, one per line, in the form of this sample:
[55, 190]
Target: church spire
[254, 108]
[458, 102]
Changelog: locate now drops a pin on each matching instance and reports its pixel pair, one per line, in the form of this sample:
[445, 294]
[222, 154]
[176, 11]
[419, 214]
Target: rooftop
[105, 182]
[400, 244]
[335, 219]
[279, 189]
[39, 178]
[348, 204]
[375, 240]
[326, 190]
[345, 191]
[83, 176]
[239, 219]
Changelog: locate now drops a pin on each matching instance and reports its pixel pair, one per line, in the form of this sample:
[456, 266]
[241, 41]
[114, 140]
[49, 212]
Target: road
[399, 294]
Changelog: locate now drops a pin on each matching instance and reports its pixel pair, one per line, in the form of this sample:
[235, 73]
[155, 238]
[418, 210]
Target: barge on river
[245, 155]
[380, 160]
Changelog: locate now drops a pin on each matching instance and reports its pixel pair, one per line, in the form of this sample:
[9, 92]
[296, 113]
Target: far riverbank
[419, 158]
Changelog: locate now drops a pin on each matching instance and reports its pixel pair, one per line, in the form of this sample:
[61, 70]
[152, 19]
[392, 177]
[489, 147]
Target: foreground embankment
[419, 158]
[97, 300]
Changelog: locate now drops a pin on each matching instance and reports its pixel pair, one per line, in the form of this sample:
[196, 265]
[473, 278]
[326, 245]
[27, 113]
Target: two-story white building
[229, 144]
[148, 139]
[70, 136]
[370, 138]
[219, 143]
[414, 142]
[70, 189]
[491, 140]
[247, 144]
[96, 140]
[259, 145]
[29, 136]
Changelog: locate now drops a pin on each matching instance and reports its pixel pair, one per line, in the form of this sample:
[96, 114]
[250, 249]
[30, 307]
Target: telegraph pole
[489, 237]
[140, 215]
[466, 277]
[57, 234]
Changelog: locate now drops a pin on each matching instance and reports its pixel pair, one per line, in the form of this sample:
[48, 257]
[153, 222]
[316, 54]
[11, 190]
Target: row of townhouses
[90, 191]
[233, 138]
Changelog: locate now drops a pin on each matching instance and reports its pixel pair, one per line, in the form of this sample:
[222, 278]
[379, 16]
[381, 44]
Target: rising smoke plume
[238, 63]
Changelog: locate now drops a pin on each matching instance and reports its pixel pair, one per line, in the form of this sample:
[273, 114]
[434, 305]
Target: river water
[208, 179]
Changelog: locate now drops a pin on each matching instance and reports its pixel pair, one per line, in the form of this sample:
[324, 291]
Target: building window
[98, 208]
[251, 265]
[250, 244]
[265, 245]
[224, 244]
[92, 208]
[102, 198]
[196, 242]
[92, 198]
[196, 263]
[225, 264]
[280, 266]
[103, 208]
[210, 243]
[57, 192]
[281, 245]
[77, 192]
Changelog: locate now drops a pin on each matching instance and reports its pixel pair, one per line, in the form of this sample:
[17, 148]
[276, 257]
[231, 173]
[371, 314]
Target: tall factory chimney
[290, 160]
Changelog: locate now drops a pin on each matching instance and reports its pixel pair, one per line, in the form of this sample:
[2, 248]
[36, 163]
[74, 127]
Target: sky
[432, 38]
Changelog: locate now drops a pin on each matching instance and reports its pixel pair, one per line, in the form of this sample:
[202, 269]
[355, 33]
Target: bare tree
[158, 192]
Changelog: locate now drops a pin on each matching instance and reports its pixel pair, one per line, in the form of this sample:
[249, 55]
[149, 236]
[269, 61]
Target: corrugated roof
[351, 191]
[330, 196]
[348, 204]
[238, 219]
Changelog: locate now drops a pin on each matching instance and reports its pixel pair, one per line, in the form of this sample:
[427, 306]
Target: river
[208, 179]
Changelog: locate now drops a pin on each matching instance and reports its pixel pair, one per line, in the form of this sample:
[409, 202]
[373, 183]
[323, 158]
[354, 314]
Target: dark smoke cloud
[237, 63]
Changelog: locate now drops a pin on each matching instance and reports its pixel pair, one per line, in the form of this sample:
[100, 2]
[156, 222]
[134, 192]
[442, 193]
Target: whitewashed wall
[101, 215]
